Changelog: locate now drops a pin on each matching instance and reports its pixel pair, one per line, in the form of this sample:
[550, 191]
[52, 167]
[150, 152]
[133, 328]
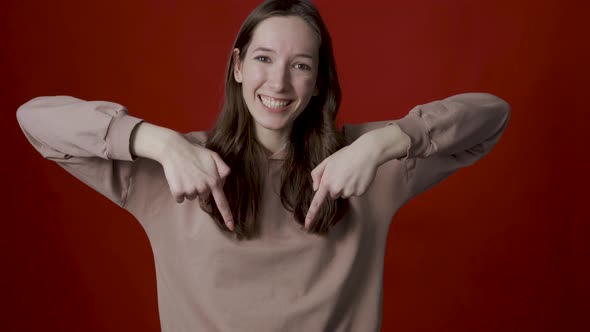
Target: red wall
[501, 246]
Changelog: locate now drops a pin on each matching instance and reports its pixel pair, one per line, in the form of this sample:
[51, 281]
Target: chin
[273, 127]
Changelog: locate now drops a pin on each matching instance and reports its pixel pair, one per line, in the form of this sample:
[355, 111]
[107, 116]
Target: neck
[273, 141]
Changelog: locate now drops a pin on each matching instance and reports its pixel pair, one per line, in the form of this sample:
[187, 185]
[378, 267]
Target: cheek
[306, 86]
[253, 76]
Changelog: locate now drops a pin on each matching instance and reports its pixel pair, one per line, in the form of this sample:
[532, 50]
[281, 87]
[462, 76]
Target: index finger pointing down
[314, 206]
[223, 206]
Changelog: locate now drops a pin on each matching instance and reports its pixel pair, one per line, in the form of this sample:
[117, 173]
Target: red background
[503, 245]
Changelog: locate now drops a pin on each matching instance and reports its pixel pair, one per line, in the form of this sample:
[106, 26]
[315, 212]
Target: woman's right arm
[97, 142]
[90, 140]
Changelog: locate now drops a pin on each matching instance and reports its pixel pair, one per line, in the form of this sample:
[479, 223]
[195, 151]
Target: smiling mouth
[274, 102]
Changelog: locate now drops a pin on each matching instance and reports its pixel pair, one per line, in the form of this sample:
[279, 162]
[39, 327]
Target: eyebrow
[265, 49]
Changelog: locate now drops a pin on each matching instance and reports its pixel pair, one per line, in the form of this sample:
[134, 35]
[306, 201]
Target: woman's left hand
[351, 170]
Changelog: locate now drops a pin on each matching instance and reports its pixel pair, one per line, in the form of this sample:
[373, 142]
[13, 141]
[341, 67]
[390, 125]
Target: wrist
[387, 143]
[151, 141]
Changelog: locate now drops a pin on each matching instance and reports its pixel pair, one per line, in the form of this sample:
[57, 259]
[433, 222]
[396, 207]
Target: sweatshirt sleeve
[449, 134]
[89, 139]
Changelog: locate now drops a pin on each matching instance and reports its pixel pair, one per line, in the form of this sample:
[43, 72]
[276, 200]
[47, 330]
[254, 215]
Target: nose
[279, 78]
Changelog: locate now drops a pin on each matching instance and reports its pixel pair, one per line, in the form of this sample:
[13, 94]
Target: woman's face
[278, 73]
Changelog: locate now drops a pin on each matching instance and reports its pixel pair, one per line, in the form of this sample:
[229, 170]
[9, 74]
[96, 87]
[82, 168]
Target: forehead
[285, 35]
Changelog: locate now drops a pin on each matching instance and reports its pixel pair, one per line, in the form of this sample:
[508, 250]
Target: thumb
[222, 167]
[317, 173]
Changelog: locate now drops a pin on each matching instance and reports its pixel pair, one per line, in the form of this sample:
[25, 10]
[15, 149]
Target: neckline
[280, 154]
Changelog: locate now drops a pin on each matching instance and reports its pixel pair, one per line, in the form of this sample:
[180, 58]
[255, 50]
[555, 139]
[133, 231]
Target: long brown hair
[313, 138]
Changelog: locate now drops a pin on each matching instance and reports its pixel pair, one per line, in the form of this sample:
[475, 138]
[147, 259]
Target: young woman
[285, 221]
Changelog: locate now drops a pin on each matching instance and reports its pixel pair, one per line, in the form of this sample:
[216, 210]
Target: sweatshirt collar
[280, 154]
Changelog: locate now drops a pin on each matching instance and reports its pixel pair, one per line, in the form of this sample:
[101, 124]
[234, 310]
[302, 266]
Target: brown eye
[262, 58]
[302, 66]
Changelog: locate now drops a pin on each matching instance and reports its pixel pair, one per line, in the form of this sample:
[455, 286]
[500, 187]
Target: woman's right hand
[191, 170]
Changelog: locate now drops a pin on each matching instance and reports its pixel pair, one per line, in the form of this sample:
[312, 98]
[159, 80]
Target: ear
[237, 66]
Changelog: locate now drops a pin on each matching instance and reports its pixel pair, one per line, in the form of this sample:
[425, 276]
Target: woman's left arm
[433, 140]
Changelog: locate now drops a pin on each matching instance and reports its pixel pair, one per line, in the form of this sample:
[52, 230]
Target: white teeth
[274, 103]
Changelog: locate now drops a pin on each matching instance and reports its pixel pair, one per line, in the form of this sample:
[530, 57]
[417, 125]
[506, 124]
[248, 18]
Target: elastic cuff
[118, 137]
[416, 129]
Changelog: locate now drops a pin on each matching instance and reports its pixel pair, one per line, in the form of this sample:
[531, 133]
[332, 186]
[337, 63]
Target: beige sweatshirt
[285, 280]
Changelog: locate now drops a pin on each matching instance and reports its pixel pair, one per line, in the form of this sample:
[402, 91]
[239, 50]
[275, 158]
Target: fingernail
[230, 225]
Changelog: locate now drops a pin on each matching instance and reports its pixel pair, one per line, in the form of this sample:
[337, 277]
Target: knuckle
[334, 193]
[201, 187]
[222, 203]
[333, 190]
[223, 207]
